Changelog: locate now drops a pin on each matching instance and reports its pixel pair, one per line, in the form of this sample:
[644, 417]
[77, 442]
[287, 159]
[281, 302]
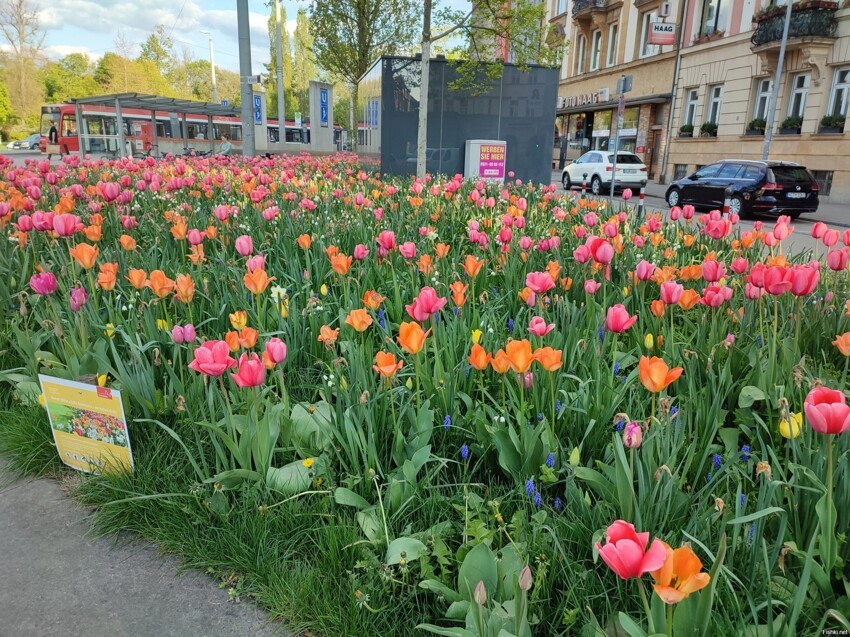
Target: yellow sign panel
[88, 425]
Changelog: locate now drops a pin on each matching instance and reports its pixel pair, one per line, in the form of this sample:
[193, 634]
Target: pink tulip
[805, 280]
[752, 292]
[43, 283]
[425, 305]
[407, 249]
[212, 358]
[600, 249]
[177, 335]
[610, 230]
[826, 411]
[712, 271]
[627, 194]
[618, 320]
[837, 260]
[675, 213]
[644, 270]
[527, 379]
[819, 229]
[590, 219]
[632, 435]
[539, 328]
[42, 221]
[276, 350]
[66, 224]
[782, 231]
[830, 238]
[740, 265]
[716, 295]
[756, 275]
[251, 371]
[777, 279]
[539, 282]
[581, 254]
[519, 222]
[194, 237]
[591, 286]
[78, 299]
[189, 334]
[625, 551]
[688, 211]
[671, 292]
[244, 245]
[24, 223]
[257, 262]
[360, 252]
[386, 240]
[845, 237]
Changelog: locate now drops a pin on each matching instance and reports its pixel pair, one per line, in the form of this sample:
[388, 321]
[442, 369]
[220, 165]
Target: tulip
[472, 266]
[137, 278]
[78, 299]
[475, 335]
[500, 362]
[539, 328]
[407, 249]
[826, 411]
[85, 255]
[778, 279]
[184, 288]
[251, 371]
[328, 336]
[304, 241]
[689, 299]
[458, 293]
[830, 238]
[819, 229]
[108, 276]
[386, 240]
[189, 334]
[212, 358]
[386, 365]
[679, 576]
[257, 262]
[644, 270]
[837, 260]
[626, 553]
[238, 319]
[360, 252]
[66, 224]
[160, 284]
[525, 579]
[257, 281]
[411, 337]
[539, 282]
[618, 320]
[805, 280]
[276, 350]
[632, 435]
[479, 358]
[716, 295]
[244, 245]
[591, 286]
[519, 355]
[177, 335]
[712, 271]
[43, 283]
[791, 427]
[340, 264]
[752, 292]
[426, 304]
[372, 299]
[549, 358]
[359, 319]
[671, 292]
[600, 250]
[740, 265]
[655, 375]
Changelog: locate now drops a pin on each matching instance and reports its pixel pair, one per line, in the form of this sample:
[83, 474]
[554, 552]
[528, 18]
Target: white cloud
[61, 50]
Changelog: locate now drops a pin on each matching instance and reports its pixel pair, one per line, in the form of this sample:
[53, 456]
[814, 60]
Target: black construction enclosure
[518, 108]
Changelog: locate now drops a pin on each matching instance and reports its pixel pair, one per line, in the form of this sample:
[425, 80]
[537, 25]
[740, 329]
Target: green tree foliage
[20, 27]
[158, 49]
[271, 67]
[304, 65]
[72, 76]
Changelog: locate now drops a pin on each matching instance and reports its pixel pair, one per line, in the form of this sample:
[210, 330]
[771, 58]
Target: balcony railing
[806, 22]
[582, 6]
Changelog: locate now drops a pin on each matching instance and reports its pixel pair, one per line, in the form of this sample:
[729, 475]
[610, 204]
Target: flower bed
[451, 398]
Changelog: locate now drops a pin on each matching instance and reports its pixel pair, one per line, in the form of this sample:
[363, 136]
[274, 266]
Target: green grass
[26, 442]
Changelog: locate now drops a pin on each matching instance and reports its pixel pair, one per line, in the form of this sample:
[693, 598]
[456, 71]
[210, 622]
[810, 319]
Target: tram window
[69, 125]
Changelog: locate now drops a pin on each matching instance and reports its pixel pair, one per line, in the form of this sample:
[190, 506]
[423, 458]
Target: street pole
[247, 91]
[774, 94]
[422, 132]
[621, 99]
[281, 105]
[212, 68]
[668, 135]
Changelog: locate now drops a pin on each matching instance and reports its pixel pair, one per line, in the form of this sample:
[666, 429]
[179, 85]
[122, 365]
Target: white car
[598, 165]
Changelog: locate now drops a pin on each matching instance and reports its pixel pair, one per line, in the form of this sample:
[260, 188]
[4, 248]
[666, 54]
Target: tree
[158, 49]
[7, 114]
[495, 31]
[271, 85]
[348, 35]
[72, 76]
[20, 27]
[304, 65]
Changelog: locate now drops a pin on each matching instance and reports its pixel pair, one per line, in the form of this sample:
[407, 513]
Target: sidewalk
[57, 581]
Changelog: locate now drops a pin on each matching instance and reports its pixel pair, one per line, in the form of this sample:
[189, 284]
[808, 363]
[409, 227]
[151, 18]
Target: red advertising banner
[663, 33]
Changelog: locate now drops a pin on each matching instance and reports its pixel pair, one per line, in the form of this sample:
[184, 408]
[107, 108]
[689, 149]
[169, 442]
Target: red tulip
[251, 372]
[626, 553]
[716, 295]
[212, 358]
[600, 249]
[618, 319]
[826, 411]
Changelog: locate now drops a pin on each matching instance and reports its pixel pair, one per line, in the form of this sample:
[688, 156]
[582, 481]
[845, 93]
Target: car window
[625, 158]
[708, 172]
[597, 158]
[751, 173]
[729, 171]
[790, 174]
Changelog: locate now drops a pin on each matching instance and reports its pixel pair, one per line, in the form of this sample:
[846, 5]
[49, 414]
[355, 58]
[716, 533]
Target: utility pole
[774, 94]
[662, 178]
[212, 68]
[422, 133]
[247, 91]
[281, 105]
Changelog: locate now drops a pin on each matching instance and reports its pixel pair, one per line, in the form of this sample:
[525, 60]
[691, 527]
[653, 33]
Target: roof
[759, 162]
[157, 103]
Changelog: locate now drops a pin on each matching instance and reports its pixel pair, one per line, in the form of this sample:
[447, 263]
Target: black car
[772, 187]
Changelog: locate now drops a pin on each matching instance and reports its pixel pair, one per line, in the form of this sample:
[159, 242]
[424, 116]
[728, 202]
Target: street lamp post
[281, 105]
[212, 68]
[774, 94]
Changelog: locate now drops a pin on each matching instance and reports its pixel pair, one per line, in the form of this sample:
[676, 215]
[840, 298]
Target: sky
[91, 26]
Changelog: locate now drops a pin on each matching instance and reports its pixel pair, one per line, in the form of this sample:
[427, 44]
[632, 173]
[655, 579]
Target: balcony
[812, 22]
[584, 7]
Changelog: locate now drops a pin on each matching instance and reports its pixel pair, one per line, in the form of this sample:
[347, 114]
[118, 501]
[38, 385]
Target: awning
[157, 103]
[660, 98]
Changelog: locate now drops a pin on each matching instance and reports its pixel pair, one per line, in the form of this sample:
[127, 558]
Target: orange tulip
[479, 358]
[246, 338]
[372, 299]
[304, 241]
[211, 232]
[108, 276]
[525, 294]
[655, 375]
[232, 340]
[328, 336]
[472, 266]
[238, 319]
[93, 233]
[127, 242]
[332, 251]
[554, 270]
[138, 278]
[426, 264]
[500, 362]
[567, 283]
[185, 288]
[359, 319]
[179, 230]
[657, 307]
[411, 337]
[842, 342]
[519, 354]
[679, 576]
[443, 250]
[257, 281]
[689, 299]
[85, 255]
[549, 358]
[458, 293]
[386, 365]
[690, 272]
[161, 285]
[196, 254]
[340, 264]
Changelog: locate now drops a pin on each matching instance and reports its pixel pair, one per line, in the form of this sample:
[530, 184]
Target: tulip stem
[670, 620]
[844, 374]
[646, 608]
[552, 402]
[828, 566]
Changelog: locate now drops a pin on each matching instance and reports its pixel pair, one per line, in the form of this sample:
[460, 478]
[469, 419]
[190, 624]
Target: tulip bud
[476, 336]
[480, 594]
[632, 435]
[525, 579]
[648, 341]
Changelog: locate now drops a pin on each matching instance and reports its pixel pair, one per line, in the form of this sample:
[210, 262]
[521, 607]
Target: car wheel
[794, 215]
[736, 205]
[568, 184]
[596, 185]
[674, 197]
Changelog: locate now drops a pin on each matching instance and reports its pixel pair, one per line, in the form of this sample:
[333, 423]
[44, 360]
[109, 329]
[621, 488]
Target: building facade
[725, 89]
[607, 40]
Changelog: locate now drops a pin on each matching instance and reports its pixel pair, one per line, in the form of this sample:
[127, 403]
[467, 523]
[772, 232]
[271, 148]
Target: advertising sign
[663, 33]
[323, 106]
[88, 425]
[491, 161]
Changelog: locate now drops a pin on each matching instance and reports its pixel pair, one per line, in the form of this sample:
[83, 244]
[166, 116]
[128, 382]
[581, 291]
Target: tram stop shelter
[126, 107]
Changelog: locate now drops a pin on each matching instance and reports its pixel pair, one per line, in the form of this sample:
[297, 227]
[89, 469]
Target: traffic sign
[323, 106]
[258, 102]
[250, 79]
[224, 102]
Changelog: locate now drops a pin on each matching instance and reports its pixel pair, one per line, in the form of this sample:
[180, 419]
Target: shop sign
[662, 33]
[586, 99]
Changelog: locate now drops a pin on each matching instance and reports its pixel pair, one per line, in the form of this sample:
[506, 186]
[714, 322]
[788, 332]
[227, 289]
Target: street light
[212, 68]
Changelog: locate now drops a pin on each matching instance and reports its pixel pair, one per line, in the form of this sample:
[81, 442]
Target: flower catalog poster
[88, 425]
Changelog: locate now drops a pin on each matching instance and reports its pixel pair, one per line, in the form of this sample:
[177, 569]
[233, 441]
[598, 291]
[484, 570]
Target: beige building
[726, 80]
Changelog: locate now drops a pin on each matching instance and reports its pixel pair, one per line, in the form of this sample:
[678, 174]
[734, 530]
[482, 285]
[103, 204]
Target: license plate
[797, 195]
[629, 171]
